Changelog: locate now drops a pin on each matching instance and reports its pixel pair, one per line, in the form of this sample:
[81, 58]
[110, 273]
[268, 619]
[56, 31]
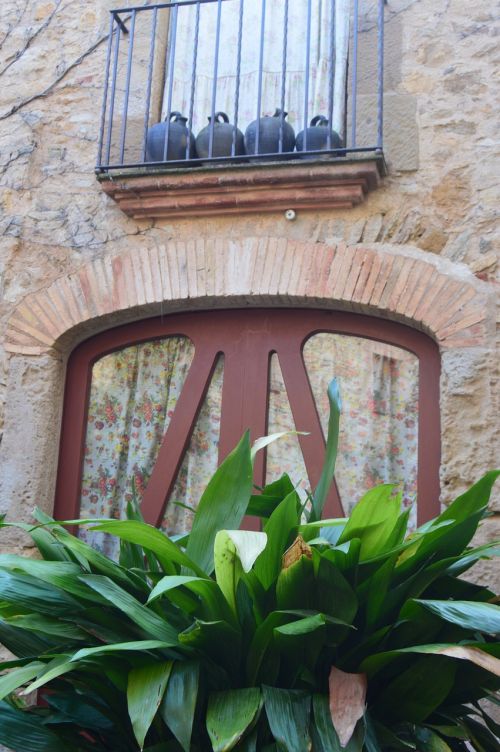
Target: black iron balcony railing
[248, 57]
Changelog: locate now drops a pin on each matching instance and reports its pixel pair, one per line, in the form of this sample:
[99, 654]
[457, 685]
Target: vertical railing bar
[380, 83]
[127, 87]
[261, 66]
[331, 76]
[171, 61]
[238, 79]
[308, 65]
[214, 85]
[193, 79]
[105, 93]
[354, 88]
[150, 80]
[283, 76]
[112, 95]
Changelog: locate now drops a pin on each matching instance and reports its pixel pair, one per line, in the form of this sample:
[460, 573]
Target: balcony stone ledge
[215, 190]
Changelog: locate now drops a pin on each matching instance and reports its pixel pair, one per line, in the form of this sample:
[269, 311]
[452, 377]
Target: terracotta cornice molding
[243, 189]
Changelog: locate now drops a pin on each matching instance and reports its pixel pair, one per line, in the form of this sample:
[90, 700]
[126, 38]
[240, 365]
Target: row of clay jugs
[273, 132]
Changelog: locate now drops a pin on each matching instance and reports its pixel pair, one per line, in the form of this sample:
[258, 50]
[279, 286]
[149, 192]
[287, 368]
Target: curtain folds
[244, 98]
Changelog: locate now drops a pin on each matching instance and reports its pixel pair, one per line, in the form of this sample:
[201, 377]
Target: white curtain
[320, 51]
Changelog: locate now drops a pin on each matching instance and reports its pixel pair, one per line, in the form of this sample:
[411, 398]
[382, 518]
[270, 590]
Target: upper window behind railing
[227, 80]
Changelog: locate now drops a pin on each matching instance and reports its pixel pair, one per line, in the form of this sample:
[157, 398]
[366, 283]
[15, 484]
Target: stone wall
[439, 196]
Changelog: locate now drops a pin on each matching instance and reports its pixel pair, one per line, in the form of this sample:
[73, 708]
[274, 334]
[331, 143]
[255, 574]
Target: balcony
[239, 106]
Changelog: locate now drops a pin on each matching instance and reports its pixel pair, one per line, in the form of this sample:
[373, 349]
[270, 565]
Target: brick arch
[401, 283]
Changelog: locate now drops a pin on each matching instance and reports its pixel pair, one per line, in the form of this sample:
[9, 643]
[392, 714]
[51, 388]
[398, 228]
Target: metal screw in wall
[290, 215]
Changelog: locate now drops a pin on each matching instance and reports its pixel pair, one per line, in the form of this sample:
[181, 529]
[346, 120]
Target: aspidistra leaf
[230, 714]
[145, 689]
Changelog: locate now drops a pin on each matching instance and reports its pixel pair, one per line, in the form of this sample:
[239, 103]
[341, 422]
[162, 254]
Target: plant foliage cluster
[311, 635]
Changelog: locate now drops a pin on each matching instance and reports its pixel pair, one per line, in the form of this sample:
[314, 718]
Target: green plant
[314, 634]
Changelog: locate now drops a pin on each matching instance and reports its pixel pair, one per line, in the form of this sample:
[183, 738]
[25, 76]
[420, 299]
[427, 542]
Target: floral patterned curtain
[379, 426]
[321, 25]
[134, 392]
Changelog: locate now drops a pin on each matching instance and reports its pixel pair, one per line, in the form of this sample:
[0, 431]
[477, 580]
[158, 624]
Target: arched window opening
[152, 407]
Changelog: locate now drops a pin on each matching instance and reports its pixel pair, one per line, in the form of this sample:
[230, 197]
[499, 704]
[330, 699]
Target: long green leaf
[485, 655]
[288, 714]
[145, 689]
[332, 441]
[16, 678]
[136, 645]
[280, 529]
[152, 624]
[374, 520]
[207, 589]
[57, 667]
[474, 500]
[23, 732]
[63, 575]
[327, 740]
[484, 617]
[32, 594]
[222, 505]
[179, 703]
[230, 715]
[52, 627]
[151, 539]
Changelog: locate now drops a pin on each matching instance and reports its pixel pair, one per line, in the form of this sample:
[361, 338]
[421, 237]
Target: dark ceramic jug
[177, 140]
[224, 133]
[269, 135]
[317, 136]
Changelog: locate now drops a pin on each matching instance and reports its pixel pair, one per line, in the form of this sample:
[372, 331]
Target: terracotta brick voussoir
[402, 283]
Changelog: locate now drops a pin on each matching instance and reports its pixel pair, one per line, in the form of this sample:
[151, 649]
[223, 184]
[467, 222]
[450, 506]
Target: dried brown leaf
[298, 548]
[347, 702]
[476, 655]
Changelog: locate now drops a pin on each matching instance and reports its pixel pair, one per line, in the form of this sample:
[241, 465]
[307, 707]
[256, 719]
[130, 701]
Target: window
[246, 58]
[151, 407]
